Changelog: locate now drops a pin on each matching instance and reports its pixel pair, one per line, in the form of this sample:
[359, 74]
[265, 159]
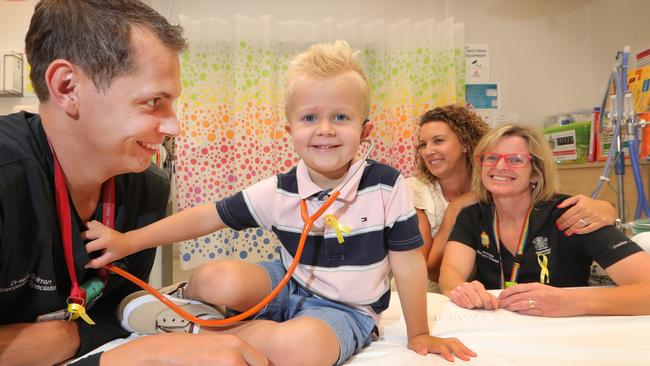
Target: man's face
[126, 123]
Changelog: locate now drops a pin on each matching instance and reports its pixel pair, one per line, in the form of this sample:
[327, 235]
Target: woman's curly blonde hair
[468, 126]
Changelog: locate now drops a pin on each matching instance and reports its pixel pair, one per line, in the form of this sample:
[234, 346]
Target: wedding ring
[584, 222]
[531, 303]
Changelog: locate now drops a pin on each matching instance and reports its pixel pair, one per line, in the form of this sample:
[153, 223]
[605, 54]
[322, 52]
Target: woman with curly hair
[442, 186]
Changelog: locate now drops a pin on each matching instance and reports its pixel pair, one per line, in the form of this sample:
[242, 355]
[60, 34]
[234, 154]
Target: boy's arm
[185, 225]
[409, 270]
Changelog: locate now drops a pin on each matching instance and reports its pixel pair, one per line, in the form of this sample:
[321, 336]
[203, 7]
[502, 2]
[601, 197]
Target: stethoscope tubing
[308, 224]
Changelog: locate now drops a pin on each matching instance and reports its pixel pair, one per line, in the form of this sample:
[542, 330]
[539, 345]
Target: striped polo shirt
[374, 204]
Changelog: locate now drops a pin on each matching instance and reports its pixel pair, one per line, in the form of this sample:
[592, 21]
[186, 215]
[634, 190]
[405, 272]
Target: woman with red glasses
[510, 237]
[447, 137]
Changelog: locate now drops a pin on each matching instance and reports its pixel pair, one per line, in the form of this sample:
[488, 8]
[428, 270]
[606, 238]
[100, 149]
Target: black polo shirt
[569, 258]
[33, 275]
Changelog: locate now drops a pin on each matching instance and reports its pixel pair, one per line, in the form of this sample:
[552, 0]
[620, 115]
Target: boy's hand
[113, 244]
[425, 343]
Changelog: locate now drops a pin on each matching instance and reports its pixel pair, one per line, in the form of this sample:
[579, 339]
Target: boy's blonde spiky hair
[325, 60]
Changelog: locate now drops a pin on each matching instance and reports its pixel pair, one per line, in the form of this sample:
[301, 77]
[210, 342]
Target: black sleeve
[107, 327]
[234, 212]
[151, 207]
[608, 245]
[464, 230]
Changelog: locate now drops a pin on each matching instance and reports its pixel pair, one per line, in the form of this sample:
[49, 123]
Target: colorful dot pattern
[232, 120]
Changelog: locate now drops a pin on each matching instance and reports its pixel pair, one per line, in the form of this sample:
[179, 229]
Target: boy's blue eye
[309, 118]
[341, 117]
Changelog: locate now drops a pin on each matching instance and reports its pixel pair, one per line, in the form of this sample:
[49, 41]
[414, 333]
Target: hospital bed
[504, 338]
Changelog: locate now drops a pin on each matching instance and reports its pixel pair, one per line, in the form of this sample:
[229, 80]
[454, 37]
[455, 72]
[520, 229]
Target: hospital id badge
[62, 314]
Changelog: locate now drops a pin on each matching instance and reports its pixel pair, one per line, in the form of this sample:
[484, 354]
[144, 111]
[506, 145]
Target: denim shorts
[352, 327]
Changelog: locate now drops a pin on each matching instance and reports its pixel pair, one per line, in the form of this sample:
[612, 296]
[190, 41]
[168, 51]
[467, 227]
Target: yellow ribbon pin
[78, 311]
[544, 274]
[332, 222]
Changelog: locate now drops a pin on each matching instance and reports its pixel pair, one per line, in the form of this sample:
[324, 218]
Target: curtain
[231, 109]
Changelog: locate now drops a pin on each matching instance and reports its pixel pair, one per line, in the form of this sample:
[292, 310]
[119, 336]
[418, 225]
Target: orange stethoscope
[308, 223]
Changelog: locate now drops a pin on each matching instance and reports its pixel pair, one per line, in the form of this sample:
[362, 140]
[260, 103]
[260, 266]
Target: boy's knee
[215, 276]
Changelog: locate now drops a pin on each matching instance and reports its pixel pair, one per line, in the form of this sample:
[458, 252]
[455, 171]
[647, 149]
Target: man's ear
[62, 79]
[366, 129]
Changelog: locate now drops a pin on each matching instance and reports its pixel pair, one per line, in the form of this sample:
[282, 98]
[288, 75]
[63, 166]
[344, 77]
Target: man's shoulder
[150, 188]
[18, 137]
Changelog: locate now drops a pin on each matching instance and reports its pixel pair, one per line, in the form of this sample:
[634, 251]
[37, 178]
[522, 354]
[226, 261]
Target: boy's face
[326, 120]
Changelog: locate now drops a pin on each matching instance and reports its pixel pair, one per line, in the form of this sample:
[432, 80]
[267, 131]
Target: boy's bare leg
[299, 341]
[240, 285]
[232, 283]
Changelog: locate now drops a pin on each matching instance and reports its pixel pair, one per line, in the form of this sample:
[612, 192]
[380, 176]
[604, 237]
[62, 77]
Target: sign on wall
[477, 63]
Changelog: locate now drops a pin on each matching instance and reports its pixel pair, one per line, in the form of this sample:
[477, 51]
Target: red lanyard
[77, 293]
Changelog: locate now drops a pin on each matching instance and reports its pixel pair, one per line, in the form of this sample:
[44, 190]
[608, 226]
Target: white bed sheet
[502, 338]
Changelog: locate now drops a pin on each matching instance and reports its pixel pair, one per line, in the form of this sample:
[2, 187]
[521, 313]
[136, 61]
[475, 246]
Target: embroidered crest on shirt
[541, 245]
[542, 250]
[485, 240]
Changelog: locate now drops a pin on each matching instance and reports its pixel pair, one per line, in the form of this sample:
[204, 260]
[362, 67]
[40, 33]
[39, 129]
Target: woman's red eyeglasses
[513, 160]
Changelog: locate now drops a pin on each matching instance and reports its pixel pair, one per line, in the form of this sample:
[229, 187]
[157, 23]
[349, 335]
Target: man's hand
[185, 349]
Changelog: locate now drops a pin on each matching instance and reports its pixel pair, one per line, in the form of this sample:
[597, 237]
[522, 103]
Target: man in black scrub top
[106, 73]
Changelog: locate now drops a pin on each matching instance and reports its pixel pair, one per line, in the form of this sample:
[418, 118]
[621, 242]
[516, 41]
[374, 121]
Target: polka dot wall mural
[231, 114]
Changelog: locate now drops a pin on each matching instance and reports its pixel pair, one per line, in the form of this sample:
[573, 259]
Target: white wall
[544, 53]
[306, 10]
[610, 31]
[539, 52]
[550, 56]
[14, 21]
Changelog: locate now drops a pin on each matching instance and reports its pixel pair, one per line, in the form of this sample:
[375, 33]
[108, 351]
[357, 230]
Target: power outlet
[11, 64]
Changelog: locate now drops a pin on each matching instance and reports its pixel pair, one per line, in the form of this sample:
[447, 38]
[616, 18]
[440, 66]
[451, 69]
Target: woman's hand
[472, 295]
[540, 300]
[586, 215]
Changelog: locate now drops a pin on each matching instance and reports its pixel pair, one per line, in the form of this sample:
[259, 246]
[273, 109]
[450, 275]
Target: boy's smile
[326, 120]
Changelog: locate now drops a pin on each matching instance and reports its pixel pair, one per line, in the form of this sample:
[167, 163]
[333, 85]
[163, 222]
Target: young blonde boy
[330, 308]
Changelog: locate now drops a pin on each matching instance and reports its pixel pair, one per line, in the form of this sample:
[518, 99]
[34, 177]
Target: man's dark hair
[95, 35]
